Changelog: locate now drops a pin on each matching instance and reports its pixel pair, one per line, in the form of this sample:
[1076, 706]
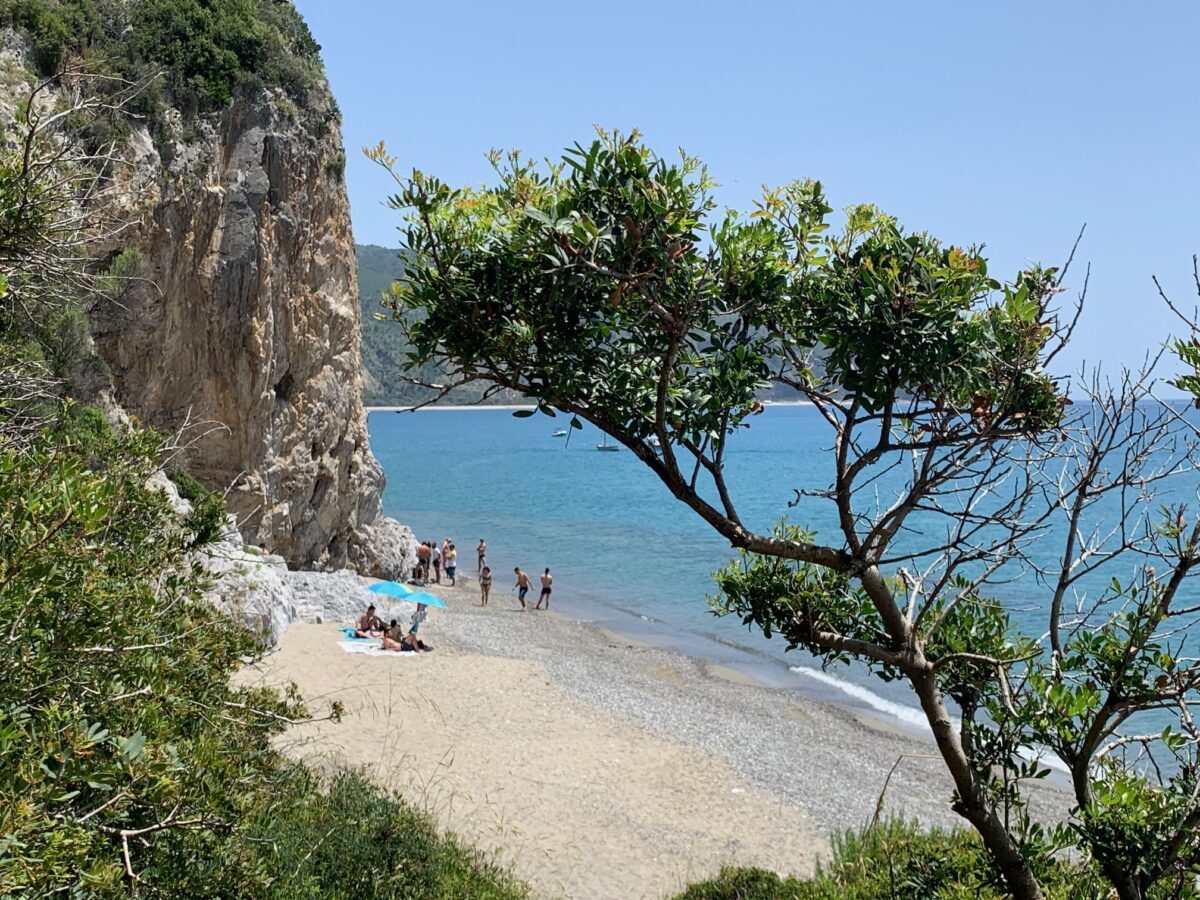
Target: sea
[624, 553]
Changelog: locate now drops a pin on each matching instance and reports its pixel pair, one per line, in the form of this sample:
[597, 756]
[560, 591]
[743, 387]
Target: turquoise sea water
[624, 552]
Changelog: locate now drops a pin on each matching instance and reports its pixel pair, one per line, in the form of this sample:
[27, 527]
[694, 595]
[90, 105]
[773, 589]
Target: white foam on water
[908, 715]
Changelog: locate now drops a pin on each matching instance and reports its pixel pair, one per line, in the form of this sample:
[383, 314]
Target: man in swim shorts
[369, 624]
[522, 585]
[547, 581]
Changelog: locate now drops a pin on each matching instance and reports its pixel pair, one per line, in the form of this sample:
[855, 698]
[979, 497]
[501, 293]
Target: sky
[1007, 124]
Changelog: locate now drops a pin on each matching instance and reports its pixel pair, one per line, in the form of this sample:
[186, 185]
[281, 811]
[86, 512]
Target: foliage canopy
[609, 287]
[130, 764]
[205, 48]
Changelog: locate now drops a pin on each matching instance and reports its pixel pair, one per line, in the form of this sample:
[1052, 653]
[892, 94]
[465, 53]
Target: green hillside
[384, 346]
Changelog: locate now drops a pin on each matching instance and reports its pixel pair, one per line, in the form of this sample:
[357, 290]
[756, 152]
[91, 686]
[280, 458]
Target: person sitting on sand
[402, 643]
[485, 585]
[369, 625]
[393, 637]
[547, 581]
[451, 562]
[522, 585]
[481, 553]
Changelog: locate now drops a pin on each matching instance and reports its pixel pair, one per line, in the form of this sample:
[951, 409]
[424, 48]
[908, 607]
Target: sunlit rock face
[243, 328]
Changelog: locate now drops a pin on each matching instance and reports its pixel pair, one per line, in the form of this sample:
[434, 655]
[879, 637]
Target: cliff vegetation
[131, 762]
[205, 49]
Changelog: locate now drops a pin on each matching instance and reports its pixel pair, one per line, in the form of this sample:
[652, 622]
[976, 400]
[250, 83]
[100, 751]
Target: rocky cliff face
[244, 328]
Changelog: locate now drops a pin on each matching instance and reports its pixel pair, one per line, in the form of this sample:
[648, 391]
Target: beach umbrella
[391, 589]
[423, 597]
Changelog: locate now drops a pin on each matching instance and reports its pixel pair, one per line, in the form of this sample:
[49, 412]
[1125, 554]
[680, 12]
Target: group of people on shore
[369, 625]
[433, 559]
[522, 588]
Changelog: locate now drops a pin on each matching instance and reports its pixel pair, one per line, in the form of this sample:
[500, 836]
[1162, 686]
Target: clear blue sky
[1010, 124]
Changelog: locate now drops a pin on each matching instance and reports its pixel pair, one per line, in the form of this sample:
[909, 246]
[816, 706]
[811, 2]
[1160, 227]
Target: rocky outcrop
[243, 327]
[259, 589]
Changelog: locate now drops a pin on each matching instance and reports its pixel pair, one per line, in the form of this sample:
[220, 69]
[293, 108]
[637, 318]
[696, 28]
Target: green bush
[116, 710]
[208, 48]
[207, 519]
[204, 48]
[83, 430]
[55, 26]
[117, 713]
[354, 841]
[898, 860]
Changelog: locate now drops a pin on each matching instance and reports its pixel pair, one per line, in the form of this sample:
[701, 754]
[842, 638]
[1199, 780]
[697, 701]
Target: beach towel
[352, 635]
[372, 649]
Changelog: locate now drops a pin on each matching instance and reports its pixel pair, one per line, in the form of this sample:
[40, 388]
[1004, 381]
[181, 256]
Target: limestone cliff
[244, 325]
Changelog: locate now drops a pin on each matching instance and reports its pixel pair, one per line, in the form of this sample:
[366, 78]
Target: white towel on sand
[371, 649]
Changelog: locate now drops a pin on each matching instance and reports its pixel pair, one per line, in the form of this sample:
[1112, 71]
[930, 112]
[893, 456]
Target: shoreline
[477, 407]
[598, 765]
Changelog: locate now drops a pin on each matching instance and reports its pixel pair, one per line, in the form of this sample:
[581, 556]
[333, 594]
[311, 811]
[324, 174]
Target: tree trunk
[1127, 886]
[972, 806]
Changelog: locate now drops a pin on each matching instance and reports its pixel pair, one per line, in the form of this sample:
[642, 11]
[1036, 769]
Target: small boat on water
[560, 432]
[611, 448]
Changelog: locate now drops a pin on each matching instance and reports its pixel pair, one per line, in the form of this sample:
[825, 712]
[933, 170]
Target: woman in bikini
[485, 586]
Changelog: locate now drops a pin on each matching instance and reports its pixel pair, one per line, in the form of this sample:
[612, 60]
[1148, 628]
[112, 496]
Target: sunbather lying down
[369, 625]
[394, 638]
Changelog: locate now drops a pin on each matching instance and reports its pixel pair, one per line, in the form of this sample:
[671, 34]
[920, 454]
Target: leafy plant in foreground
[607, 287]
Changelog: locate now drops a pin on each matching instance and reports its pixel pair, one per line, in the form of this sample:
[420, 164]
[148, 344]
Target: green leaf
[131, 747]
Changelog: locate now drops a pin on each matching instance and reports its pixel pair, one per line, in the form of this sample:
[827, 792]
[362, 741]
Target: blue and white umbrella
[391, 589]
[400, 591]
[423, 597]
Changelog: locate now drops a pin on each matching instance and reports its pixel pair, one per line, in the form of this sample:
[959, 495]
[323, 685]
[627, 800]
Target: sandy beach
[593, 765]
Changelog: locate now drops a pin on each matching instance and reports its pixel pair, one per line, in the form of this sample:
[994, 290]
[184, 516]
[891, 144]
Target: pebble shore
[593, 764]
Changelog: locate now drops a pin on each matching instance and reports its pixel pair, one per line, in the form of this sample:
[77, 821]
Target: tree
[603, 287]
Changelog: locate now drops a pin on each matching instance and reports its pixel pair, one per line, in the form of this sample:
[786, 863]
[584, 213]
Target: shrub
[353, 840]
[205, 48]
[84, 430]
[209, 48]
[899, 860]
[116, 711]
[207, 519]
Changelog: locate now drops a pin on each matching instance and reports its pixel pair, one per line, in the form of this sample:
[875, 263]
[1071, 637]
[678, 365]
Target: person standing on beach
[481, 552]
[522, 586]
[423, 561]
[435, 556]
[451, 562]
[417, 618]
[485, 585]
[547, 581]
